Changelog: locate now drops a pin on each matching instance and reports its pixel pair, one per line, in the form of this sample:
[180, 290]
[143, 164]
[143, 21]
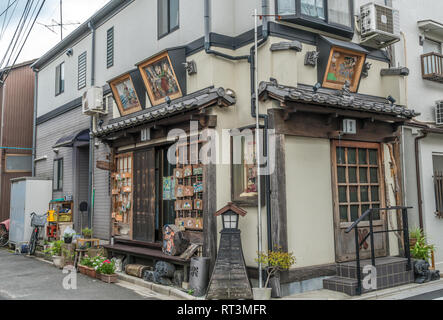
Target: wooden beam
[209, 210]
[312, 108]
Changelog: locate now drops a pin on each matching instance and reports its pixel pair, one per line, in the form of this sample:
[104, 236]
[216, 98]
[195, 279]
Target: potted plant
[84, 264]
[414, 234]
[107, 271]
[87, 233]
[275, 261]
[67, 237]
[94, 270]
[421, 249]
[55, 250]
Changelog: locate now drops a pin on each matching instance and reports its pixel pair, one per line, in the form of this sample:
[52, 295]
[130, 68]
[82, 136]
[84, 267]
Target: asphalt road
[433, 295]
[25, 278]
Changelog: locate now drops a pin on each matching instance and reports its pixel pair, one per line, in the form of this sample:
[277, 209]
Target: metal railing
[358, 243]
[432, 66]
[438, 186]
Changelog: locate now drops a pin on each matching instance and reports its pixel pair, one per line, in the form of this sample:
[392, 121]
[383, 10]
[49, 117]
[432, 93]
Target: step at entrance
[391, 272]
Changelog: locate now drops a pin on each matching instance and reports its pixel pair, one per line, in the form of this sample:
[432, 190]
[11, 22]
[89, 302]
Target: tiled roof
[202, 99]
[335, 98]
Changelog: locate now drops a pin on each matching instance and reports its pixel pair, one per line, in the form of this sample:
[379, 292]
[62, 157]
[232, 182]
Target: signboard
[105, 165]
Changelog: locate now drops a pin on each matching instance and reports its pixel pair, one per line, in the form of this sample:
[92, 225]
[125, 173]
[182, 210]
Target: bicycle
[37, 222]
[4, 233]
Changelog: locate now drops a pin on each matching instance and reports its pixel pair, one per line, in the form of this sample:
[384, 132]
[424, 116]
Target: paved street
[24, 278]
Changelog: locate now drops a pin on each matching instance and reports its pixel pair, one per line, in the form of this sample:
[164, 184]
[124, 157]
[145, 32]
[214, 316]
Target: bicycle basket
[38, 221]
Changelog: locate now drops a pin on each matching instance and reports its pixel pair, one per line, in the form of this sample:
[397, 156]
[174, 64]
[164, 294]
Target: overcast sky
[41, 39]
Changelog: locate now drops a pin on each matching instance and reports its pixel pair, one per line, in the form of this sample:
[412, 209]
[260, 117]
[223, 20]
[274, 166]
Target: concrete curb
[388, 292]
[163, 290]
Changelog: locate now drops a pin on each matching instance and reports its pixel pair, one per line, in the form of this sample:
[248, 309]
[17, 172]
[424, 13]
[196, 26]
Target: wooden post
[278, 191]
[209, 210]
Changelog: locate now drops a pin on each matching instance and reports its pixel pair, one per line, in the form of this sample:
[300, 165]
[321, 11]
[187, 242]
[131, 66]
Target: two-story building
[183, 79]
[16, 114]
[420, 50]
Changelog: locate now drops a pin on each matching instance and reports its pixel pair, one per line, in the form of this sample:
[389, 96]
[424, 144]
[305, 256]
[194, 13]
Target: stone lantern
[229, 280]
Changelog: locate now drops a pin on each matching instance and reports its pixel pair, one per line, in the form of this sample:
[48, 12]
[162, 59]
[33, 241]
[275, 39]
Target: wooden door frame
[335, 202]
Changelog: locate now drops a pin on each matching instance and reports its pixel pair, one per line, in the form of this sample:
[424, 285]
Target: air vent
[439, 113]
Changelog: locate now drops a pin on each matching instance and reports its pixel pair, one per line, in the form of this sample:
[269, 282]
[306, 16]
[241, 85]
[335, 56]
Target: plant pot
[262, 293]
[68, 240]
[109, 278]
[81, 269]
[58, 261]
[412, 242]
[90, 272]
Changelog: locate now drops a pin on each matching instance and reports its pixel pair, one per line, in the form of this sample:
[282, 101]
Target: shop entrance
[153, 194]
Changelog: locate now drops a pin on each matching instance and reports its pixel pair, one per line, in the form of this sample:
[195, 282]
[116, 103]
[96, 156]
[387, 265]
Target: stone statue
[311, 58]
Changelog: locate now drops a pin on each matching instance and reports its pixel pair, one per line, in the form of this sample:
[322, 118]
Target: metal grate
[82, 70]
[385, 19]
[110, 48]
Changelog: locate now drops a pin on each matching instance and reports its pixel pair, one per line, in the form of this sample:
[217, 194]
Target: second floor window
[334, 12]
[168, 16]
[60, 79]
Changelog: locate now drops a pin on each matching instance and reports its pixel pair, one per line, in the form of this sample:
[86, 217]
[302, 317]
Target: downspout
[34, 131]
[418, 177]
[91, 135]
[3, 87]
[251, 59]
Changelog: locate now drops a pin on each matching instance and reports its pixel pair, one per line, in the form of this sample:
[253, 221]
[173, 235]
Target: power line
[19, 37]
[9, 21]
[6, 16]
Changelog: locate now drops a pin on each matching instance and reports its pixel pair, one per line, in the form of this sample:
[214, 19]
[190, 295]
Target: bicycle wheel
[4, 237]
[33, 242]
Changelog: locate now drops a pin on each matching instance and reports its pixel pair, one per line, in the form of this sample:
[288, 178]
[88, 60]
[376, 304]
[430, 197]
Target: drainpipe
[91, 135]
[251, 59]
[34, 131]
[418, 177]
[2, 163]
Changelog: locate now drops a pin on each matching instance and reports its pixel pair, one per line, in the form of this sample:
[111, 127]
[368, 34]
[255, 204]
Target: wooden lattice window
[357, 179]
[122, 201]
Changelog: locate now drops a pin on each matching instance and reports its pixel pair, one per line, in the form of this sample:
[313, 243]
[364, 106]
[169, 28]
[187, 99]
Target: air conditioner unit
[379, 25]
[92, 101]
[439, 113]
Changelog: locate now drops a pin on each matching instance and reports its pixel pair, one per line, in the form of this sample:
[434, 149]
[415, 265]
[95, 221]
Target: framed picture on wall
[160, 79]
[343, 65]
[125, 95]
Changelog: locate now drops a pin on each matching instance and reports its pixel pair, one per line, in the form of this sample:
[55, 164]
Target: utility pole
[61, 19]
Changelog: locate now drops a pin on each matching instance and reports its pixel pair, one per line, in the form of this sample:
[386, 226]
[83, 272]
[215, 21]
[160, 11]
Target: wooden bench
[143, 252]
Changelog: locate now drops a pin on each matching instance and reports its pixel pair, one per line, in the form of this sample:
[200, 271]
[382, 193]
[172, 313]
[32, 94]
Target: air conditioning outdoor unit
[379, 25]
[92, 101]
[439, 113]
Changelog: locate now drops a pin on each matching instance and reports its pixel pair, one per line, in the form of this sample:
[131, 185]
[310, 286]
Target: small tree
[276, 261]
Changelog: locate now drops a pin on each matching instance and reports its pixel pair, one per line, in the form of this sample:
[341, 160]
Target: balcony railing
[432, 66]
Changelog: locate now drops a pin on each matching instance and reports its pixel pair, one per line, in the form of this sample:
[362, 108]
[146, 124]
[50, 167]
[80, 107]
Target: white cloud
[41, 39]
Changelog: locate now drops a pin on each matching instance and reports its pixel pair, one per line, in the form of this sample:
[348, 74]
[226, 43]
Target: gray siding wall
[48, 133]
[102, 205]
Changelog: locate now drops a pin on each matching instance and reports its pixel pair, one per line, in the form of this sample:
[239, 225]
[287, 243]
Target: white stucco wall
[422, 94]
[433, 225]
[309, 201]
